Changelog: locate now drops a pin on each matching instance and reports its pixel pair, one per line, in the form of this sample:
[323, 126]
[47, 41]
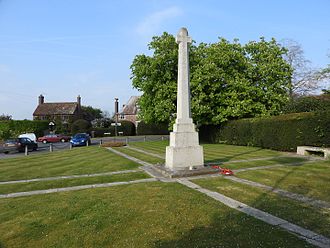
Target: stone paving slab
[69, 177]
[74, 188]
[310, 236]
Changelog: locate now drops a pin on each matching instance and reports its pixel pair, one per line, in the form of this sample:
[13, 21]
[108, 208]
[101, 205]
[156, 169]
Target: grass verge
[312, 179]
[301, 214]
[83, 160]
[143, 215]
[142, 156]
[62, 183]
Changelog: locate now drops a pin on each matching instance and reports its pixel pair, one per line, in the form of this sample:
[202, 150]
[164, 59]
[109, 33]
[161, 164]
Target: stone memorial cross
[184, 151]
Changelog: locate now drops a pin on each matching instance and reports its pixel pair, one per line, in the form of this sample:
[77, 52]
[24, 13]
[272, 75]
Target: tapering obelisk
[184, 151]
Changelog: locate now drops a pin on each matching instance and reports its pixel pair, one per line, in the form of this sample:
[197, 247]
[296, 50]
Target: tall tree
[91, 113]
[5, 117]
[228, 80]
[305, 79]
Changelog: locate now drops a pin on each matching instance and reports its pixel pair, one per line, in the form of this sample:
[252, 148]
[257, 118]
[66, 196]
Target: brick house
[130, 110]
[64, 112]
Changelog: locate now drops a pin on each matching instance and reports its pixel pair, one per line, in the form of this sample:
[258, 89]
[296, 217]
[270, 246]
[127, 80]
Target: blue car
[80, 139]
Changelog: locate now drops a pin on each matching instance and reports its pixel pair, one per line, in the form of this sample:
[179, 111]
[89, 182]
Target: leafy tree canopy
[228, 80]
[91, 113]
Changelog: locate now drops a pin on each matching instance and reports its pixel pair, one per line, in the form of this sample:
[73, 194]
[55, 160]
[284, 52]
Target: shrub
[284, 132]
[152, 128]
[127, 127]
[81, 126]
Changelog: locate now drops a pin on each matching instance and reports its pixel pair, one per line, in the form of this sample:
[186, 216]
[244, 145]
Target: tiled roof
[131, 107]
[58, 108]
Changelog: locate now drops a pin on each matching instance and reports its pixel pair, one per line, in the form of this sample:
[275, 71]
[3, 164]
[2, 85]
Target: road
[42, 148]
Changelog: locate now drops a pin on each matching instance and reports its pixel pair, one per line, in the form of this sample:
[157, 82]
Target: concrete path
[74, 188]
[309, 236]
[69, 177]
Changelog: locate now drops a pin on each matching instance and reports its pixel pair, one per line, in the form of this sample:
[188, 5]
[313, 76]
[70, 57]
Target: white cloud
[153, 22]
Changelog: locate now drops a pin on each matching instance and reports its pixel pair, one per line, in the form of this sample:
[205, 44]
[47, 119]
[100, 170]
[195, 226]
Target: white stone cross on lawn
[184, 151]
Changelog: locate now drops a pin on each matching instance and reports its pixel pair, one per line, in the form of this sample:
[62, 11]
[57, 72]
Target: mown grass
[84, 160]
[264, 162]
[142, 215]
[142, 156]
[299, 213]
[214, 152]
[311, 180]
[21, 187]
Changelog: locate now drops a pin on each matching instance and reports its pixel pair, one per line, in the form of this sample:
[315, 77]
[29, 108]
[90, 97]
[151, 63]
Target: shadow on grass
[228, 158]
[235, 229]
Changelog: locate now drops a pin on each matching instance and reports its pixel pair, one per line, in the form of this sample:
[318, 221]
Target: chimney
[41, 99]
[79, 101]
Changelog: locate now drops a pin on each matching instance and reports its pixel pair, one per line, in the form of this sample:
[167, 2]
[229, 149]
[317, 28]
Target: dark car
[80, 139]
[19, 144]
[50, 138]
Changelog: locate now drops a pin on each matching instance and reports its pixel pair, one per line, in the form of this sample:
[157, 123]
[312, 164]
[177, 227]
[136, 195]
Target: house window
[122, 116]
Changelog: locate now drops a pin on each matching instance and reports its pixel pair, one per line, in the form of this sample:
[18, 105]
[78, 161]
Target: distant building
[58, 111]
[130, 110]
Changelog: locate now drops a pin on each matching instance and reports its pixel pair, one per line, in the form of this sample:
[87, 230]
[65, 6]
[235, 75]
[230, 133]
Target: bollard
[126, 140]
[87, 143]
[26, 150]
[144, 138]
[70, 146]
[162, 138]
[51, 147]
[101, 142]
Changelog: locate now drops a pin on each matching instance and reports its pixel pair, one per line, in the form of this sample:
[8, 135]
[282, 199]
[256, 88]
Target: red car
[51, 138]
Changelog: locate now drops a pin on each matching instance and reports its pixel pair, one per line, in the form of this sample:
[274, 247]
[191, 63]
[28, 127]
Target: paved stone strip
[294, 196]
[69, 177]
[139, 161]
[74, 188]
[145, 152]
[311, 237]
[147, 167]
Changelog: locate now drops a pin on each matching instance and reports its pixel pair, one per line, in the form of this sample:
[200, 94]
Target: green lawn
[142, 215]
[84, 160]
[140, 155]
[264, 162]
[301, 214]
[214, 152]
[312, 179]
[21, 187]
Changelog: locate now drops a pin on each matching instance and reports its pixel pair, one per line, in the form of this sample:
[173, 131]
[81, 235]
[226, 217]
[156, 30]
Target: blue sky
[62, 48]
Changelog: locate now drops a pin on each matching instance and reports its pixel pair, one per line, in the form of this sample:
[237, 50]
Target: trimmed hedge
[308, 104]
[127, 127]
[13, 128]
[284, 132]
[152, 128]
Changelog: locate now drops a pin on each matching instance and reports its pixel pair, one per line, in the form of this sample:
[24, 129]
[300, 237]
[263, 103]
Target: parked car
[31, 136]
[80, 139]
[19, 144]
[51, 138]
